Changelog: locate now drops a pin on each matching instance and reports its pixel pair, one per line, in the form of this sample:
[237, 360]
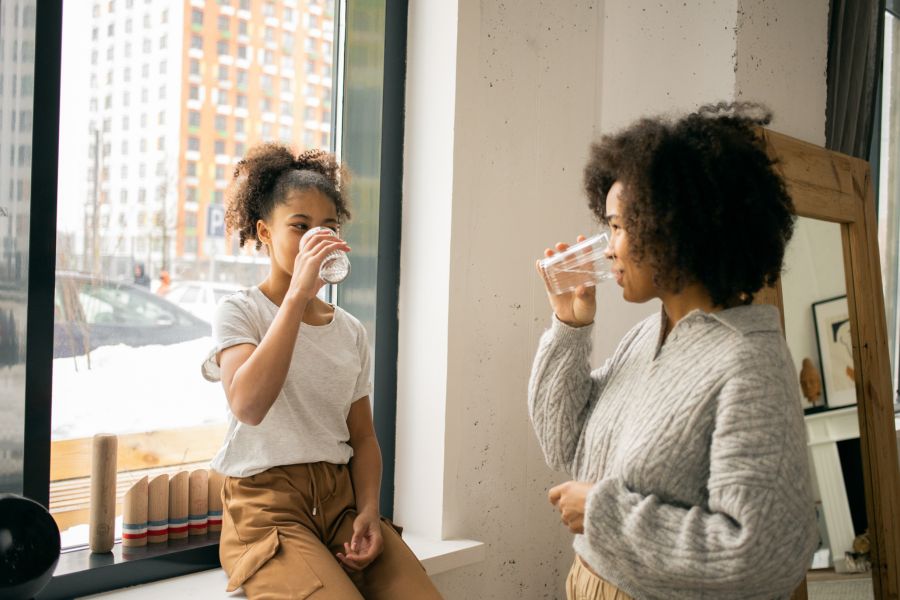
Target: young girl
[687, 448]
[301, 516]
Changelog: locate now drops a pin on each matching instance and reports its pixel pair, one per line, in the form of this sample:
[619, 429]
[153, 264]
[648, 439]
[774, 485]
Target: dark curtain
[855, 41]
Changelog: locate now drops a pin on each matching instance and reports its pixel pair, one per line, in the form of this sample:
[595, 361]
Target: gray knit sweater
[698, 450]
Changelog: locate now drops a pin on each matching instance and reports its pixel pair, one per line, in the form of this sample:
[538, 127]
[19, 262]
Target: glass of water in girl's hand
[336, 266]
[583, 263]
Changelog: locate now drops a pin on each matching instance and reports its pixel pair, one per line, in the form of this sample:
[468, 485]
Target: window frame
[79, 572]
[891, 7]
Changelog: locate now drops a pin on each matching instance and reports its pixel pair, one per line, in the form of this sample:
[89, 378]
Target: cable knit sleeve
[561, 390]
[757, 533]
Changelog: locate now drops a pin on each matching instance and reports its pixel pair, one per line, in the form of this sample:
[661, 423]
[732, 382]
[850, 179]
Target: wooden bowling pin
[134, 514]
[214, 520]
[198, 500]
[179, 501]
[158, 510]
[103, 493]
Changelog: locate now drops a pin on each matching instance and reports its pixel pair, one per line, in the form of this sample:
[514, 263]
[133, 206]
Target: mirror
[817, 328]
[834, 197]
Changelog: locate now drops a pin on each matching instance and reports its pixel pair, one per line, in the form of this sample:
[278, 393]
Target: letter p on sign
[215, 221]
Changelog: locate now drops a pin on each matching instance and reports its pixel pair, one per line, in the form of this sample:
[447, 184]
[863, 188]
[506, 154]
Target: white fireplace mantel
[824, 430]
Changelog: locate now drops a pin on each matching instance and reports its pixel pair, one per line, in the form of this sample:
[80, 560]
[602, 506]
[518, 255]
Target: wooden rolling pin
[103, 493]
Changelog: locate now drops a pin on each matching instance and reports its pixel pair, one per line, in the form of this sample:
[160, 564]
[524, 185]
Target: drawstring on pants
[313, 489]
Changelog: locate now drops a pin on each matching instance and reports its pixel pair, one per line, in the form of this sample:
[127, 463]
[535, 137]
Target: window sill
[79, 572]
[437, 556]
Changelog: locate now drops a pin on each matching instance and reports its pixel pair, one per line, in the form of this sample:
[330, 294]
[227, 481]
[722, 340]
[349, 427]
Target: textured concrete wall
[533, 83]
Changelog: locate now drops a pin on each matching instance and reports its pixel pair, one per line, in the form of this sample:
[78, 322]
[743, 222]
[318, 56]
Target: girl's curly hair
[703, 202]
[268, 172]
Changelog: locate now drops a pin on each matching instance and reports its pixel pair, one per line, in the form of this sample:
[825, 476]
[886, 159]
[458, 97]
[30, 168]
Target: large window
[128, 257]
[17, 36]
[134, 298]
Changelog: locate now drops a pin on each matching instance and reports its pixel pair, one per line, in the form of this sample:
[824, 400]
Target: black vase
[29, 547]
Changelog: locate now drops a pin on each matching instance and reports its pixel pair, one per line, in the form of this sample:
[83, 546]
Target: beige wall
[497, 134]
[813, 271]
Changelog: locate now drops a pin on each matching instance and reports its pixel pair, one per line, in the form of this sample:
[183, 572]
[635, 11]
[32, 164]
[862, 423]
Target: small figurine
[811, 384]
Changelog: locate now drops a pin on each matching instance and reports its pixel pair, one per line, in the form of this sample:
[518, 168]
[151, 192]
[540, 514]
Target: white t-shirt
[308, 421]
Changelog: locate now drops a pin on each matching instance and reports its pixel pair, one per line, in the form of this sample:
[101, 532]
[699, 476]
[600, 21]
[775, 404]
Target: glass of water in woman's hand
[582, 264]
[336, 266]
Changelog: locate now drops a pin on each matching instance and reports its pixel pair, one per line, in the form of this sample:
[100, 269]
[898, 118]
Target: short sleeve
[363, 381]
[231, 326]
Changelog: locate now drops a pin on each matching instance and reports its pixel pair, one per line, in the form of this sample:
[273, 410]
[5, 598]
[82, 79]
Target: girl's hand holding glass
[315, 246]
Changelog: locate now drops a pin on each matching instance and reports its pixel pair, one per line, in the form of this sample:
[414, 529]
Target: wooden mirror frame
[834, 187]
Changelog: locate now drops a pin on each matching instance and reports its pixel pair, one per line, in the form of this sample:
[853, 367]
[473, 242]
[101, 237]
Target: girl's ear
[262, 232]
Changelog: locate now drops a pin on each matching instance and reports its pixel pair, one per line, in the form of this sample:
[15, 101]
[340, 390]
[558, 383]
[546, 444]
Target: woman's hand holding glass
[305, 280]
[576, 308]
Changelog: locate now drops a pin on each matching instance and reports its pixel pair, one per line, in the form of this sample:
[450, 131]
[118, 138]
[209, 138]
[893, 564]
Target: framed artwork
[832, 323]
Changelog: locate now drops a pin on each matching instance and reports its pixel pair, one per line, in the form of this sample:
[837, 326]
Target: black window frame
[79, 572]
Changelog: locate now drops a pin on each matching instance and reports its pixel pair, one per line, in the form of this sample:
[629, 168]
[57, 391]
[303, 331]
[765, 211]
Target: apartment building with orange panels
[254, 71]
[177, 91]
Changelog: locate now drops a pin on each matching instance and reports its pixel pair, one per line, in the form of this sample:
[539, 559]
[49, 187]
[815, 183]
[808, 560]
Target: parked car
[200, 298]
[92, 312]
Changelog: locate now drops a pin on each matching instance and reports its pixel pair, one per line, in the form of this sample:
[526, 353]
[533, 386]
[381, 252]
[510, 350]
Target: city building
[179, 89]
[17, 19]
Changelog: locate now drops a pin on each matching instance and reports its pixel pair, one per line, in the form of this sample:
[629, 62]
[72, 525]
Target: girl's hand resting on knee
[365, 545]
[577, 308]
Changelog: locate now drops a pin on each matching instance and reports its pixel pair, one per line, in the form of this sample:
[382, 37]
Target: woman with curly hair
[301, 516]
[687, 448]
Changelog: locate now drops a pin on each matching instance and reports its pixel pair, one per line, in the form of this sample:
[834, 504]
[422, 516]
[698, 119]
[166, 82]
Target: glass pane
[889, 198]
[817, 328]
[889, 186]
[17, 28]
[160, 98]
[361, 151]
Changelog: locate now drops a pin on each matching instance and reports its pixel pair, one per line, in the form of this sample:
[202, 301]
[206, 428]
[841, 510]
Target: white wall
[503, 99]
[425, 266]
[813, 271]
[782, 50]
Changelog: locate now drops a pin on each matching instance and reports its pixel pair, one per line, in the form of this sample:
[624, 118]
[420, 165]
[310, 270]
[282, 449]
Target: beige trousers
[584, 584]
[281, 529]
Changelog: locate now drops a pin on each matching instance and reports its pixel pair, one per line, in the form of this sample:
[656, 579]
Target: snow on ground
[79, 535]
[131, 390]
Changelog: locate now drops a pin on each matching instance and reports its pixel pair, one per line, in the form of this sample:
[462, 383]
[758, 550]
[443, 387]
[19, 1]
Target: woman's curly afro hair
[702, 201]
[268, 173]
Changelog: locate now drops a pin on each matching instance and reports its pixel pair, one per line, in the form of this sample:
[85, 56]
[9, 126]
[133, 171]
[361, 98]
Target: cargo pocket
[292, 571]
[254, 557]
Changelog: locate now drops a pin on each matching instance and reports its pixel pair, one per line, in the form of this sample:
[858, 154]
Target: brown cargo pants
[282, 528]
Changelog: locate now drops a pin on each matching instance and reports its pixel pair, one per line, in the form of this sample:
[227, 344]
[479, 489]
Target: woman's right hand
[576, 308]
[305, 281]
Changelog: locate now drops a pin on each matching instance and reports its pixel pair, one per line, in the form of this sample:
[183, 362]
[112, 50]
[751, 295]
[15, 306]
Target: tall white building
[160, 99]
[132, 65]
